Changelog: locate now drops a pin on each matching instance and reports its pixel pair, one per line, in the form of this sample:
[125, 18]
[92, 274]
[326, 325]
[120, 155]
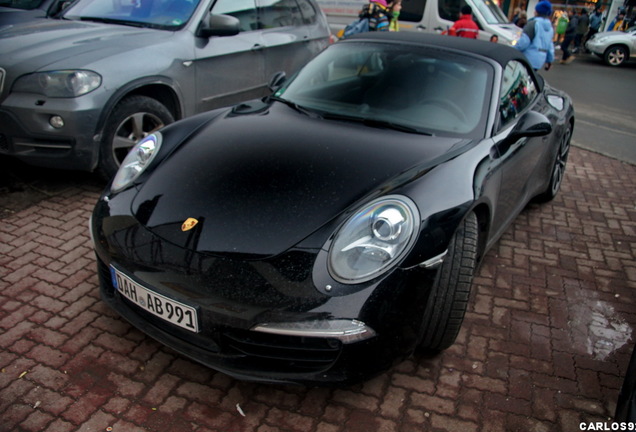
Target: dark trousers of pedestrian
[578, 41]
[565, 46]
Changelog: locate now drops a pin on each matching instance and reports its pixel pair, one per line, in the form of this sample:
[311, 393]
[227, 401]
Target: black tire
[558, 168]
[615, 55]
[132, 119]
[449, 297]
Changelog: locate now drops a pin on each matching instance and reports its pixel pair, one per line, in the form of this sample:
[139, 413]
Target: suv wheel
[131, 120]
[615, 55]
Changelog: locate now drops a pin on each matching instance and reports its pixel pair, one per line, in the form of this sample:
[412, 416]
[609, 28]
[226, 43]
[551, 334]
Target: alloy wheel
[132, 129]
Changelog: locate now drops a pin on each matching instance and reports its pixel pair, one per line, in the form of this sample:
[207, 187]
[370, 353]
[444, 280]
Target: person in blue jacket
[536, 39]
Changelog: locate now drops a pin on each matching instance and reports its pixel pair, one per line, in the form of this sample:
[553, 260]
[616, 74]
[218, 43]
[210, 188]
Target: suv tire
[132, 119]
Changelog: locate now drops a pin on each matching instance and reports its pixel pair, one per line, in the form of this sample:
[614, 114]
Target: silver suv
[77, 92]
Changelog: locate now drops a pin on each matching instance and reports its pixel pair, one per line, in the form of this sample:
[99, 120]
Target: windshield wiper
[295, 106]
[120, 22]
[377, 123]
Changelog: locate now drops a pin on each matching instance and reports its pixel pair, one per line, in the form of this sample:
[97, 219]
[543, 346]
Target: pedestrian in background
[581, 29]
[379, 14]
[619, 23]
[522, 20]
[536, 40]
[570, 34]
[561, 26]
[396, 8]
[596, 19]
[465, 26]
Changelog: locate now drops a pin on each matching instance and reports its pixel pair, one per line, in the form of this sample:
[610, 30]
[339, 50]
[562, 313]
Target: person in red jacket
[465, 26]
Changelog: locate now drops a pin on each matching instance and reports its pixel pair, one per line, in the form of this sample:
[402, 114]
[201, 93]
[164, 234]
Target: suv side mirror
[218, 25]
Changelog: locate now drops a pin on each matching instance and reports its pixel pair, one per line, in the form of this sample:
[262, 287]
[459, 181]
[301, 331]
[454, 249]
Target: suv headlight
[136, 161]
[373, 239]
[61, 84]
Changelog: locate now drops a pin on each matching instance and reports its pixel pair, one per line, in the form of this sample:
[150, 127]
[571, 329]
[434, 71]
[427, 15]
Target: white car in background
[615, 48]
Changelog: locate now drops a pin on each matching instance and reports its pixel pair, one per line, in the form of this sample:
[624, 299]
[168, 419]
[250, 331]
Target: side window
[412, 10]
[518, 90]
[307, 11]
[279, 13]
[449, 9]
[244, 10]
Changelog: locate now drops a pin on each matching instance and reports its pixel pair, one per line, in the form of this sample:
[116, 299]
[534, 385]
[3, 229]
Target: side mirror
[531, 124]
[277, 81]
[219, 25]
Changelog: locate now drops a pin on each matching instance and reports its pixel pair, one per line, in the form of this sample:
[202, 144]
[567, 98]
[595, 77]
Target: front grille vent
[284, 352]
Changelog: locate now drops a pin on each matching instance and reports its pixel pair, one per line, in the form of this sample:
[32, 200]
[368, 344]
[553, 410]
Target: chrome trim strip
[435, 261]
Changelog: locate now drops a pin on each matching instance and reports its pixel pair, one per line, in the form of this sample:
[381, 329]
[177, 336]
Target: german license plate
[159, 305]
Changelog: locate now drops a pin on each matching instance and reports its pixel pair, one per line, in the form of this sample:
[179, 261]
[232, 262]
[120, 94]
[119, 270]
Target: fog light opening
[56, 121]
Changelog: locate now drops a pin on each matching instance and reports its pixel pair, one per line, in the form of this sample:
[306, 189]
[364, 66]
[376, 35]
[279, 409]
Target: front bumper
[234, 296]
[26, 131]
[594, 47]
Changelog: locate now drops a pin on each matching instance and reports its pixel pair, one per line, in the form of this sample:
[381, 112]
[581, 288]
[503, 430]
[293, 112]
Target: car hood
[55, 43]
[612, 34]
[258, 184]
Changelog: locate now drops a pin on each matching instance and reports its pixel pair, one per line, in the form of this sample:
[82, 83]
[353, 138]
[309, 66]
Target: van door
[231, 69]
[444, 15]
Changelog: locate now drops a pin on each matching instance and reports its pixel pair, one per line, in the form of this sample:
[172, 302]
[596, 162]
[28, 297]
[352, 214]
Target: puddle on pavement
[597, 327]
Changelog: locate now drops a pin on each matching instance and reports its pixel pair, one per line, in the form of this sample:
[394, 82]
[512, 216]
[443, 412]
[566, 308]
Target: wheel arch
[164, 91]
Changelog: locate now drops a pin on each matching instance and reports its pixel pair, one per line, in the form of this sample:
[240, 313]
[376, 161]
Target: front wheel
[449, 296]
[558, 169]
[616, 55]
[131, 120]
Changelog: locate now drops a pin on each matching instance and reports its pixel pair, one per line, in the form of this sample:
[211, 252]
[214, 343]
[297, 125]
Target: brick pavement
[543, 348]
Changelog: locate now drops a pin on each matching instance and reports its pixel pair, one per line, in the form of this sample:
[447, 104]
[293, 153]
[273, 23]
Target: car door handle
[258, 47]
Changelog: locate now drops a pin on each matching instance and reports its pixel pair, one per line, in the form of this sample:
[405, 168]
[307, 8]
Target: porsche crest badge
[189, 224]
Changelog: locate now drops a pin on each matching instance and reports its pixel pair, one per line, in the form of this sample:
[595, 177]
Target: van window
[488, 9]
[491, 12]
[518, 91]
[412, 10]
[449, 9]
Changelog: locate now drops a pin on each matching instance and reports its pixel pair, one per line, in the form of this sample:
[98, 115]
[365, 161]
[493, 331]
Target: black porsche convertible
[323, 233]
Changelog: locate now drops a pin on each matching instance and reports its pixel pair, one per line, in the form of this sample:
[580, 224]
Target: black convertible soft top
[500, 53]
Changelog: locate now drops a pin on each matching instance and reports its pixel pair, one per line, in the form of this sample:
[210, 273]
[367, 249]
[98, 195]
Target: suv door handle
[258, 47]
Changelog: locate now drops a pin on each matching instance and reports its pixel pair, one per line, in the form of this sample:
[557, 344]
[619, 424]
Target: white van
[431, 16]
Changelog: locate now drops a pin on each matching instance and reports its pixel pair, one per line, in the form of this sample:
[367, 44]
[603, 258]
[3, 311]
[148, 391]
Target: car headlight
[61, 84]
[136, 161]
[373, 239]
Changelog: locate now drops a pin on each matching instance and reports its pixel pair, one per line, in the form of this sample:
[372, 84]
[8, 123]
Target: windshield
[491, 12]
[22, 4]
[162, 14]
[423, 90]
